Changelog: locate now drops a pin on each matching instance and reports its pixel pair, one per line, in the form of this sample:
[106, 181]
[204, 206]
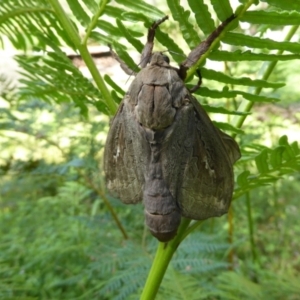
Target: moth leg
[147, 51]
[123, 65]
[203, 47]
[197, 86]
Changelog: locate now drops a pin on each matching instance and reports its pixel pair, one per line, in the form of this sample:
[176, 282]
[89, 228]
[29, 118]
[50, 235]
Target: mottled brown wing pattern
[124, 161]
[208, 176]
[196, 162]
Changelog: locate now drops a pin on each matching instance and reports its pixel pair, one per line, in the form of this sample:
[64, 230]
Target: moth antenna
[129, 77]
[174, 52]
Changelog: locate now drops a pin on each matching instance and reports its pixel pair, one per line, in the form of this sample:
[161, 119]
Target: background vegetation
[61, 235]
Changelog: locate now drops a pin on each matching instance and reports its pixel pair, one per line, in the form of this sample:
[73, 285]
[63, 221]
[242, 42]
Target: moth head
[159, 59]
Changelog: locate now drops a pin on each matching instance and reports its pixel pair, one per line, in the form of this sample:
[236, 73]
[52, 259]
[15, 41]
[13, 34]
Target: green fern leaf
[289, 153]
[186, 287]
[276, 156]
[242, 179]
[261, 161]
[222, 9]
[79, 12]
[123, 54]
[128, 35]
[140, 6]
[25, 23]
[286, 5]
[205, 92]
[114, 11]
[222, 110]
[182, 17]
[175, 51]
[92, 5]
[202, 16]
[240, 287]
[249, 55]
[238, 39]
[228, 127]
[115, 96]
[221, 77]
[271, 164]
[136, 17]
[271, 17]
[55, 78]
[114, 85]
[109, 28]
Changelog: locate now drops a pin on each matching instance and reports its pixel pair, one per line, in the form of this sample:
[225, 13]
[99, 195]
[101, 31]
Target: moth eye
[166, 58]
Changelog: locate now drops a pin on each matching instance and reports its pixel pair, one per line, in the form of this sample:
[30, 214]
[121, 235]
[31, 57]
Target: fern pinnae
[202, 16]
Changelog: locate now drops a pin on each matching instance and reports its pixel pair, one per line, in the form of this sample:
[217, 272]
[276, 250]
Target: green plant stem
[84, 52]
[94, 21]
[250, 225]
[242, 9]
[230, 236]
[246, 106]
[163, 256]
[190, 229]
[100, 192]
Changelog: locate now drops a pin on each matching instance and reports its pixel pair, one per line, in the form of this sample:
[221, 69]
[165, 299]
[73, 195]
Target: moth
[163, 149]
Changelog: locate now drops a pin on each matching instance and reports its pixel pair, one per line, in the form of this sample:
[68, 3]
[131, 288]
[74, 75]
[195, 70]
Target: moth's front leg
[147, 51]
[202, 48]
[196, 87]
[123, 65]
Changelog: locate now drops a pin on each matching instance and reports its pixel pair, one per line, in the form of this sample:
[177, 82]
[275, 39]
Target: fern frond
[221, 77]
[286, 5]
[237, 39]
[250, 56]
[24, 22]
[235, 286]
[182, 17]
[272, 164]
[222, 8]
[55, 78]
[225, 93]
[272, 17]
[202, 16]
[178, 286]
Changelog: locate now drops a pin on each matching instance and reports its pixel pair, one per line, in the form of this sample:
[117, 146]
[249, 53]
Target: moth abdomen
[163, 227]
[161, 211]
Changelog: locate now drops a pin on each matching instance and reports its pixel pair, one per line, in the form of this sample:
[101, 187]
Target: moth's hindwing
[204, 185]
[125, 156]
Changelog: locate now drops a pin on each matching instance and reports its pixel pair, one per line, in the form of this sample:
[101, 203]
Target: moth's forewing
[125, 156]
[232, 148]
[208, 177]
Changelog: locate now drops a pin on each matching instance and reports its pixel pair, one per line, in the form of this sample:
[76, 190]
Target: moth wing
[125, 156]
[231, 146]
[208, 175]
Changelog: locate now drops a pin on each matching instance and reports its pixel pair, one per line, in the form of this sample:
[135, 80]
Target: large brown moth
[162, 147]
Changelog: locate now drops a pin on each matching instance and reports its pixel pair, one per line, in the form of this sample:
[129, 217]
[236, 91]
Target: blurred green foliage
[63, 237]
